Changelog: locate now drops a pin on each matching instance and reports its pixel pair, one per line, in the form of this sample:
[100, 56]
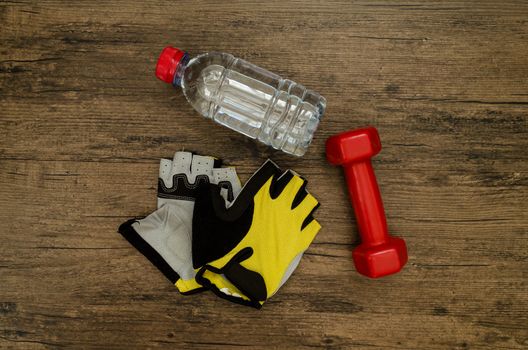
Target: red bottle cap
[168, 63]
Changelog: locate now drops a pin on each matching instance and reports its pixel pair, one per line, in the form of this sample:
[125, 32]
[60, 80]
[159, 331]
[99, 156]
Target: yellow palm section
[275, 234]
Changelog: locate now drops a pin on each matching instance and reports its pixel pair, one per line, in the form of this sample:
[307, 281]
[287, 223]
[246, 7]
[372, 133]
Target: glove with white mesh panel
[165, 236]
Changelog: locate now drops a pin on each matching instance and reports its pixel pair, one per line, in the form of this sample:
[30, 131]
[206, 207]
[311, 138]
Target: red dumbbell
[378, 254]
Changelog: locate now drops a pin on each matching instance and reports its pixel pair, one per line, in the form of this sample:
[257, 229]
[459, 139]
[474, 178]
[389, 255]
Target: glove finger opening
[279, 183]
[295, 189]
[306, 207]
[308, 234]
[227, 178]
[202, 165]
[165, 172]
[181, 163]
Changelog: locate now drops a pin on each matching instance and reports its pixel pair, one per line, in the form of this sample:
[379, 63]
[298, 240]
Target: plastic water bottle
[246, 98]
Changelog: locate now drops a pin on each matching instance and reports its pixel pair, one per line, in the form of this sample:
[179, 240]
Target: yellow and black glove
[258, 240]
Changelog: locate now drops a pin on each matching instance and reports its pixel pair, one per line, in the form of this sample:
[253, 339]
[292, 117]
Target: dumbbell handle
[366, 200]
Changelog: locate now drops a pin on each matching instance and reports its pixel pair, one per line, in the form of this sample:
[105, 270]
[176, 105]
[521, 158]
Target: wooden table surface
[84, 122]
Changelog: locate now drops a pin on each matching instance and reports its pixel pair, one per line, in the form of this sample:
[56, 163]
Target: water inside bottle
[256, 103]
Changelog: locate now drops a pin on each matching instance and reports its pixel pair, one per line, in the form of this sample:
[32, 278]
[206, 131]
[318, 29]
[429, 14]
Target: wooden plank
[83, 123]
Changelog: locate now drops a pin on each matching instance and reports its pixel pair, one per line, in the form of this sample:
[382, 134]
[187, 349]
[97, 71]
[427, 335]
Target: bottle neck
[180, 69]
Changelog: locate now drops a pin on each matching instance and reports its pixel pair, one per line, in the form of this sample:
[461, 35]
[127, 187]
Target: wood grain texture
[83, 123]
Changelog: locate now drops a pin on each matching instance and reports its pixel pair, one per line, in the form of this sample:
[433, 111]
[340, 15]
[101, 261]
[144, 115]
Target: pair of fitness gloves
[208, 233]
